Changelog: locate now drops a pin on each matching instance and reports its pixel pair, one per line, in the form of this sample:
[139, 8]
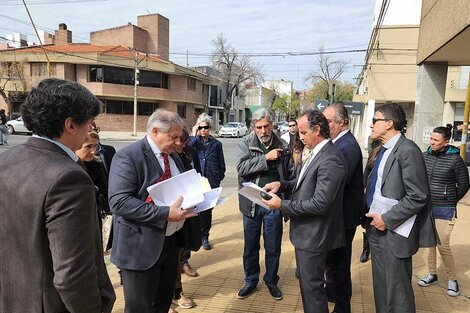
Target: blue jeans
[272, 235]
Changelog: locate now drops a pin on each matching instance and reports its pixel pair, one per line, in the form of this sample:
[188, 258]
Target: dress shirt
[314, 152]
[171, 227]
[389, 145]
[66, 149]
[341, 134]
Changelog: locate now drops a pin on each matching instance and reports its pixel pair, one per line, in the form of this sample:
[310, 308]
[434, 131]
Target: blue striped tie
[373, 177]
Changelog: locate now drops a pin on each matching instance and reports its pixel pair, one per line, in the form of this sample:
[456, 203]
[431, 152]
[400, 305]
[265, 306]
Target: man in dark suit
[338, 262]
[51, 252]
[315, 209]
[145, 241]
[399, 173]
[211, 158]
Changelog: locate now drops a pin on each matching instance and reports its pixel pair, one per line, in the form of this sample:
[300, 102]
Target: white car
[233, 129]
[283, 127]
[17, 126]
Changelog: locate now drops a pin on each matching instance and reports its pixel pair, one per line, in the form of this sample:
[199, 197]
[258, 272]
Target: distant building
[106, 67]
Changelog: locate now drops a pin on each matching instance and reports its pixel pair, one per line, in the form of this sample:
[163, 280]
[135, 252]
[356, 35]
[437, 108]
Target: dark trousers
[311, 267]
[206, 222]
[271, 221]
[151, 291]
[338, 274]
[391, 277]
[185, 254]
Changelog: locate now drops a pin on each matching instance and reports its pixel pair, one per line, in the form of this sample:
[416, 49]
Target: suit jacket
[107, 153]
[211, 159]
[353, 197]
[404, 179]
[139, 227]
[51, 255]
[315, 209]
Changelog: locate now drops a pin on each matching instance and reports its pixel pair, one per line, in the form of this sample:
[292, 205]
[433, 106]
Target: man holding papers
[263, 158]
[145, 242]
[316, 208]
[398, 196]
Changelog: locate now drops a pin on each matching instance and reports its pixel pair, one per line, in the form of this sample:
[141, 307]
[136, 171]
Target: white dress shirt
[314, 152]
[66, 149]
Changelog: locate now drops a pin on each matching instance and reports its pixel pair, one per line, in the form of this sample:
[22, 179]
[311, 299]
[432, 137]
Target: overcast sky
[255, 26]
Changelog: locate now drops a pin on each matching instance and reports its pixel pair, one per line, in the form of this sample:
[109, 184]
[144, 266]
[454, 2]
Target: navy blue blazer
[139, 227]
[354, 189]
[211, 158]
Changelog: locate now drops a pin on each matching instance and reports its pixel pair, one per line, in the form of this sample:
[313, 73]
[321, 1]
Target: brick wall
[126, 36]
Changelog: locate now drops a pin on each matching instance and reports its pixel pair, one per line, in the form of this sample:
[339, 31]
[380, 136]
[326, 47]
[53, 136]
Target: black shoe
[365, 248]
[364, 256]
[246, 291]
[274, 291]
[206, 244]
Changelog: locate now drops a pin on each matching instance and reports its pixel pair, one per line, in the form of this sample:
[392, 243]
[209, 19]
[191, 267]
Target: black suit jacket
[107, 153]
[316, 206]
[353, 197]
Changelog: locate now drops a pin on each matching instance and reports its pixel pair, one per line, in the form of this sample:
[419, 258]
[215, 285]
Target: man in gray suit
[145, 241]
[51, 253]
[399, 174]
[315, 209]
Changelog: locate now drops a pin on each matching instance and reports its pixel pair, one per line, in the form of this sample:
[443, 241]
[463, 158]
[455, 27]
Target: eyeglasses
[203, 127]
[293, 125]
[375, 120]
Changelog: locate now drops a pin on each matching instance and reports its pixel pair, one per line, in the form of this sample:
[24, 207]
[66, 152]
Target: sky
[256, 26]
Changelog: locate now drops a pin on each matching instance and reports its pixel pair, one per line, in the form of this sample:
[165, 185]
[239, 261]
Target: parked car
[233, 129]
[17, 126]
[283, 128]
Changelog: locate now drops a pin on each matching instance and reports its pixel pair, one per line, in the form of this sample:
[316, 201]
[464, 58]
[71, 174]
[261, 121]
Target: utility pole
[136, 82]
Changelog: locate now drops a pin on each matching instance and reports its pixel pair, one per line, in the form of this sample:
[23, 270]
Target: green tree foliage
[287, 104]
[344, 91]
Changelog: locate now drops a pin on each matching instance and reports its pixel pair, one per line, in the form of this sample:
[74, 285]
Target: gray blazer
[316, 208]
[405, 179]
[139, 227]
[51, 254]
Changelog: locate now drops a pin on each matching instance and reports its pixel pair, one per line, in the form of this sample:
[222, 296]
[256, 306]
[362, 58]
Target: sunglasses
[293, 125]
[375, 120]
[203, 127]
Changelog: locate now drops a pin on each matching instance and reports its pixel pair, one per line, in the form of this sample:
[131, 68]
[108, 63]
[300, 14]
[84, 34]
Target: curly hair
[53, 101]
[315, 118]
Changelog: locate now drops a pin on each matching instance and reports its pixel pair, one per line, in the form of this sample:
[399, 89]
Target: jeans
[4, 134]
[272, 235]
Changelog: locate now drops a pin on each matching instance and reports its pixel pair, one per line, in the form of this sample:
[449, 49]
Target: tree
[236, 69]
[329, 71]
[12, 83]
[288, 104]
[344, 91]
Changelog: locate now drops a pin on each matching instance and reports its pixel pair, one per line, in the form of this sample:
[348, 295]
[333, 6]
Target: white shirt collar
[66, 149]
[392, 142]
[319, 147]
[341, 134]
[155, 149]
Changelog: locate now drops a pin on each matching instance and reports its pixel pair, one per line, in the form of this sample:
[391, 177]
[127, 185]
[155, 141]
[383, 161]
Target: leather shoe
[274, 291]
[188, 270]
[246, 291]
[364, 256]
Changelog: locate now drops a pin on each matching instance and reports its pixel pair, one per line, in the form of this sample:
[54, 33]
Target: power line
[40, 2]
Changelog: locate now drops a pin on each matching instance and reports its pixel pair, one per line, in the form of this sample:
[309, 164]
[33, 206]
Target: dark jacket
[448, 180]
[211, 159]
[98, 175]
[251, 163]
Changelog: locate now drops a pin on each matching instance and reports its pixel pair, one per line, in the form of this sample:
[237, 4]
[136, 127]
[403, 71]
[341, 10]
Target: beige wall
[441, 20]
[453, 91]
[158, 28]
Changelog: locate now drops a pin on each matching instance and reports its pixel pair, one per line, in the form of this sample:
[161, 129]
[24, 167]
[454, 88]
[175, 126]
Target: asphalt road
[230, 146]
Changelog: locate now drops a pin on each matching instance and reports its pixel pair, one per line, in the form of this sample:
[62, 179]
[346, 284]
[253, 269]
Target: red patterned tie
[166, 174]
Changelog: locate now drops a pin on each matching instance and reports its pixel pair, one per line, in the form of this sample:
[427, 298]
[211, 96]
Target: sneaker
[427, 280]
[274, 291]
[453, 288]
[245, 292]
[206, 244]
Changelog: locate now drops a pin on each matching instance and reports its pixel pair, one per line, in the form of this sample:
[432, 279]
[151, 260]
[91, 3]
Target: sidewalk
[221, 272]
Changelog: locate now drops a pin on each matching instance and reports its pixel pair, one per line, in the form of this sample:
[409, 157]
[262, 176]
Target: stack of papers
[253, 193]
[382, 205]
[190, 185]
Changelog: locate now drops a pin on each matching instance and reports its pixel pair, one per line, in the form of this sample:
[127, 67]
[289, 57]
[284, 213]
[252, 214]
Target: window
[145, 108]
[127, 107]
[181, 110]
[96, 74]
[40, 69]
[191, 83]
[125, 76]
[464, 70]
[203, 87]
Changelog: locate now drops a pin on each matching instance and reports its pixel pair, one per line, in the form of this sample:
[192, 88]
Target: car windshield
[231, 125]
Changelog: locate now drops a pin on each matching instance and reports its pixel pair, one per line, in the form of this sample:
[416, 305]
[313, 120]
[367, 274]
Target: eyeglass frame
[375, 120]
[203, 127]
[293, 125]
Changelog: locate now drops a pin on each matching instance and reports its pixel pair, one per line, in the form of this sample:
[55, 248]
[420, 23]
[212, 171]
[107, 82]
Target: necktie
[373, 177]
[166, 173]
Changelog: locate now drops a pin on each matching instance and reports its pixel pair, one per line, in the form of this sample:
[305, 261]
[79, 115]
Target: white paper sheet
[382, 205]
[252, 192]
[211, 199]
[186, 184]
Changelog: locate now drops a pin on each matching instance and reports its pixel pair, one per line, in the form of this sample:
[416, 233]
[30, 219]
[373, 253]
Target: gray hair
[341, 113]
[163, 120]
[204, 118]
[259, 115]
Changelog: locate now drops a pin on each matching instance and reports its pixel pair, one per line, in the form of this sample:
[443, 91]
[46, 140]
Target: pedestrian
[212, 161]
[293, 131]
[315, 209]
[51, 253]
[4, 134]
[145, 245]
[448, 181]
[398, 176]
[338, 261]
[263, 158]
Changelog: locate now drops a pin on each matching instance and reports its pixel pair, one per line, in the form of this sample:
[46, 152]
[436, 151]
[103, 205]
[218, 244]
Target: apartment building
[107, 66]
